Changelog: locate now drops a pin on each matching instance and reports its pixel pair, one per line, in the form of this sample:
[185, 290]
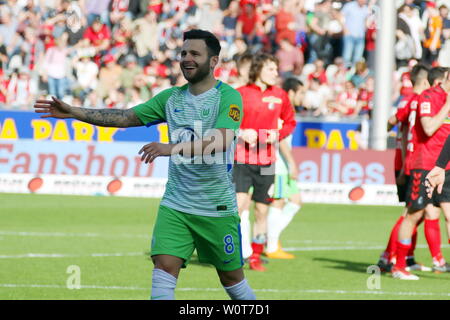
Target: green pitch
[47, 242]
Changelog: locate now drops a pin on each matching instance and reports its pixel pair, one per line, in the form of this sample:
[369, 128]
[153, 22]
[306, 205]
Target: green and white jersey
[197, 185]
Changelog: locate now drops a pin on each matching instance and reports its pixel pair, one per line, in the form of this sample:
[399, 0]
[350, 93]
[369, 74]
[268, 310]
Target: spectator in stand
[145, 32]
[142, 85]
[3, 90]
[405, 84]
[33, 48]
[355, 14]
[319, 40]
[337, 75]
[336, 31]
[226, 71]
[365, 96]
[362, 73]
[99, 36]
[22, 89]
[346, 103]
[319, 72]
[116, 99]
[47, 36]
[249, 25]
[8, 29]
[3, 55]
[433, 33]
[404, 46]
[285, 22]
[121, 35]
[444, 54]
[55, 65]
[243, 64]
[316, 98]
[411, 16]
[130, 71]
[238, 48]
[208, 16]
[86, 74]
[93, 101]
[291, 59]
[230, 18]
[119, 9]
[371, 34]
[109, 77]
[96, 9]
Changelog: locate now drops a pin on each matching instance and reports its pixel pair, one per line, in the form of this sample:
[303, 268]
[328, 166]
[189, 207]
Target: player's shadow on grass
[360, 267]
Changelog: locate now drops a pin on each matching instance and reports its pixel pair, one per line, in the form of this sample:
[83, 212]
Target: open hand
[54, 108]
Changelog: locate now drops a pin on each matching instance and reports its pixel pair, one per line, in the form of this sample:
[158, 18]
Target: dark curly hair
[257, 65]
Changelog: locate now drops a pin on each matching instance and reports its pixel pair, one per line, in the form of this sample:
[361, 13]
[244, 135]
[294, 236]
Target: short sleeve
[153, 111]
[230, 108]
[403, 109]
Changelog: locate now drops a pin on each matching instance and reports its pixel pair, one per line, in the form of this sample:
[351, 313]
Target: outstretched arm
[56, 108]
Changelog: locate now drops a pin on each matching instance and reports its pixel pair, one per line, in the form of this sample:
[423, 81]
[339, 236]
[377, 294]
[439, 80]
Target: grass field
[108, 238]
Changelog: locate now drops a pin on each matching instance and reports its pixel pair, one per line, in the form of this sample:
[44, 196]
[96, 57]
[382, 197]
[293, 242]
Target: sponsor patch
[425, 107]
[272, 99]
[234, 113]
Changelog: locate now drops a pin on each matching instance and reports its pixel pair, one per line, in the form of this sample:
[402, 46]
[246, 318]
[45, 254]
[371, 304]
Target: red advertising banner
[355, 167]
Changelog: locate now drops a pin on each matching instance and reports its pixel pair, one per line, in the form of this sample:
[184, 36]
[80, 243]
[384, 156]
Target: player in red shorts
[431, 130]
[405, 119]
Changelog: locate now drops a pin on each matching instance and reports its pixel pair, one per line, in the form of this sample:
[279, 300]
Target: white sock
[163, 285]
[240, 291]
[246, 235]
[289, 211]
[273, 229]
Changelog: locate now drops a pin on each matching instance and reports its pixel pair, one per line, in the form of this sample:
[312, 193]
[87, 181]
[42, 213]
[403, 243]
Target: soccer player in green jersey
[198, 209]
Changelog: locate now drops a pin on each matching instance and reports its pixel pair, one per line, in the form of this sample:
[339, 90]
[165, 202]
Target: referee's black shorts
[261, 178]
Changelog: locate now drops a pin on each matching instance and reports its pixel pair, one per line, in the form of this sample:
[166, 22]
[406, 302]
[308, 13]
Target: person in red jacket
[264, 104]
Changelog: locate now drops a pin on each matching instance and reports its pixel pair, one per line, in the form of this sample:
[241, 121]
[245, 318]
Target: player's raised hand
[435, 178]
[54, 108]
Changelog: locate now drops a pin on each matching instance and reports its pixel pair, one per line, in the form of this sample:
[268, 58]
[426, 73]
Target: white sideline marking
[365, 292]
[70, 234]
[132, 254]
[59, 255]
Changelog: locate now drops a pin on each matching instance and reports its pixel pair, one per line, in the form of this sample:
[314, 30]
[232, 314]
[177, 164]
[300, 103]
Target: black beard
[201, 73]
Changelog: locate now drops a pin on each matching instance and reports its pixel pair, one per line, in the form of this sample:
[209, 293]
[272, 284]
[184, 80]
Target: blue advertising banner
[330, 135]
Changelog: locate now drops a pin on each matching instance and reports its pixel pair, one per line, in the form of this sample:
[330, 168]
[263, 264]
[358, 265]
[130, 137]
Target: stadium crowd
[119, 53]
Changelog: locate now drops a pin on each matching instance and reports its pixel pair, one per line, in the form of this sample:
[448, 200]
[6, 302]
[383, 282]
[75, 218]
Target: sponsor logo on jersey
[425, 107]
[272, 99]
[205, 112]
[234, 113]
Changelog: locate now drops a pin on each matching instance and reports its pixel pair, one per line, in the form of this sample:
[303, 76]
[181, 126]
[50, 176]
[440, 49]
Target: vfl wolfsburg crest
[205, 113]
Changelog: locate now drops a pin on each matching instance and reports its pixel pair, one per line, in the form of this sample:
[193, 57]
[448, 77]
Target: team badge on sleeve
[425, 107]
[235, 113]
